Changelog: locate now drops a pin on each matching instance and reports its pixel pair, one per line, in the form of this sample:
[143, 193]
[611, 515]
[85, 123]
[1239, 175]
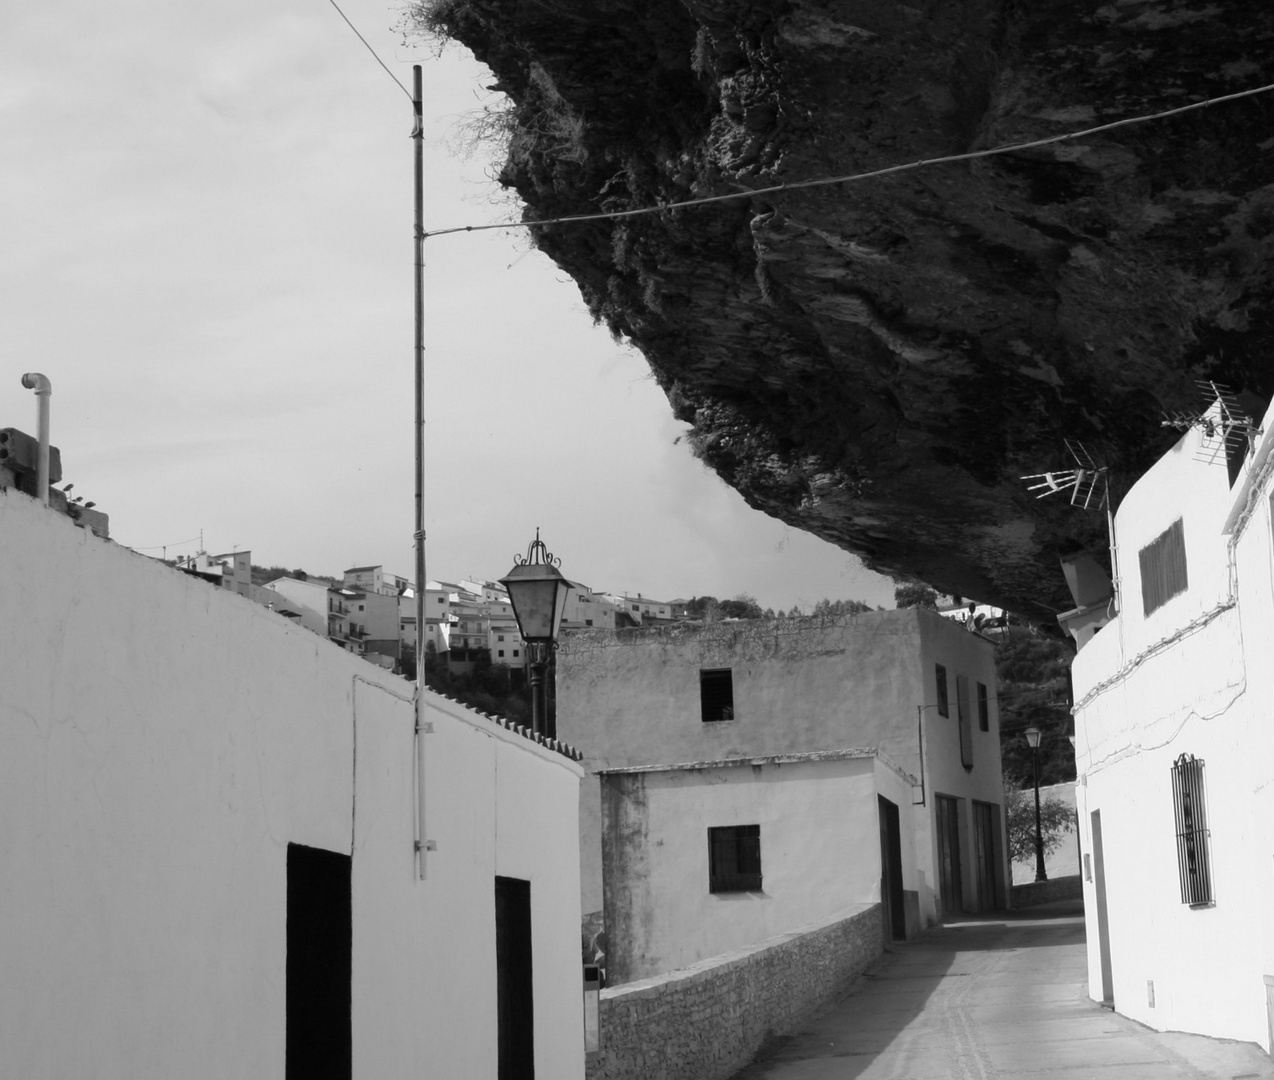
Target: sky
[206, 245]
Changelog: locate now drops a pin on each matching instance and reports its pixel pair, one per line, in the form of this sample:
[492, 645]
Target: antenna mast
[418, 137]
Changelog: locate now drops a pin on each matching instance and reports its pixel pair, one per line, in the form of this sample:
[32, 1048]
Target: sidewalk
[990, 999]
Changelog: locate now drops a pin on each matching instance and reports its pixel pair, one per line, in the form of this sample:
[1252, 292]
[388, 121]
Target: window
[515, 654]
[588, 622]
[1163, 567]
[500, 653]
[319, 929]
[1192, 831]
[966, 721]
[734, 859]
[984, 711]
[716, 694]
[499, 637]
[944, 707]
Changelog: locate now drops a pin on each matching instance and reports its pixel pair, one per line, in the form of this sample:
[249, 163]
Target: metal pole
[422, 728]
[537, 691]
[33, 380]
[1040, 875]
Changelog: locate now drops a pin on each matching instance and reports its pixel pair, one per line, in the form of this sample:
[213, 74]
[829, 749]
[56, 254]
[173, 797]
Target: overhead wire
[824, 181]
[371, 50]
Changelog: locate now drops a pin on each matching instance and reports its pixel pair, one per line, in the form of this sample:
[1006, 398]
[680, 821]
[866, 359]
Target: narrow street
[992, 998]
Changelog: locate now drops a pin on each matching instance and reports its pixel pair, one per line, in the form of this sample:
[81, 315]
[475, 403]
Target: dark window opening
[1163, 567]
[734, 859]
[1192, 831]
[319, 965]
[984, 710]
[965, 720]
[944, 706]
[716, 694]
[515, 1014]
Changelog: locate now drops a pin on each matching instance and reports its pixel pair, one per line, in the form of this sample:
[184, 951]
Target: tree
[840, 607]
[913, 594]
[1033, 675]
[1056, 820]
[741, 607]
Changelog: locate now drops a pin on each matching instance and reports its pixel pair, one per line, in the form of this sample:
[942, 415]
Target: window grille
[1192, 831]
[734, 859]
[940, 673]
[716, 694]
[1163, 567]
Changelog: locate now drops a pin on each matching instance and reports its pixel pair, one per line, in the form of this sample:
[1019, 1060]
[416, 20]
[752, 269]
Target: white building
[712, 856]
[916, 686]
[210, 844]
[1175, 748]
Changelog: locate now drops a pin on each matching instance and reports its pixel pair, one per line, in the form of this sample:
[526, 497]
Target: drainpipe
[33, 380]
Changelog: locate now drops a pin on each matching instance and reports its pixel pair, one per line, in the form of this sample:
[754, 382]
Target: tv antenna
[1083, 482]
[1228, 432]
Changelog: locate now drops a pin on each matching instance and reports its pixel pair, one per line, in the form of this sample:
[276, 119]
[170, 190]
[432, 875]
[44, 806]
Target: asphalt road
[993, 999]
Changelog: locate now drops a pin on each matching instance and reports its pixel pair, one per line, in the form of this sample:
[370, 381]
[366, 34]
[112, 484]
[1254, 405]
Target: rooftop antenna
[1087, 482]
[1228, 432]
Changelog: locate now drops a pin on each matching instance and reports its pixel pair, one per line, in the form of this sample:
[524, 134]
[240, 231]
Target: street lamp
[537, 592]
[1033, 741]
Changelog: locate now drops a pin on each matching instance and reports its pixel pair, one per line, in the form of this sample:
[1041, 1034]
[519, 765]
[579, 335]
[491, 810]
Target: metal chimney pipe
[33, 380]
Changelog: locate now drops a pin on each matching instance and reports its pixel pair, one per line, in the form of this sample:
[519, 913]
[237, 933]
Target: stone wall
[1045, 892]
[707, 1021]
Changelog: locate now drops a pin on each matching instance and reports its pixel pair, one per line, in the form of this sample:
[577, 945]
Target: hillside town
[965, 305]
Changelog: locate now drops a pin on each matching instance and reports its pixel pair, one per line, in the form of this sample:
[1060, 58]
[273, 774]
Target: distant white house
[212, 837]
[917, 687]
[1175, 744]
[703, 858]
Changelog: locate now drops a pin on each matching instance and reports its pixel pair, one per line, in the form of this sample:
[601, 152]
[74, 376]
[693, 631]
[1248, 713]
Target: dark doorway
[986, 826]
[515, 1017]
[1103, 927]
[891, 898]
[319, 961]
[951, 889]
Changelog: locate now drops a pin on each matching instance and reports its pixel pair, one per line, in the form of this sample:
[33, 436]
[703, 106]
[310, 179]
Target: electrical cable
[853, 177]
[371, 50]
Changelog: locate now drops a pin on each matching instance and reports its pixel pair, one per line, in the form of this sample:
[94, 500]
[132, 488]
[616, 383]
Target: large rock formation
[878, 362]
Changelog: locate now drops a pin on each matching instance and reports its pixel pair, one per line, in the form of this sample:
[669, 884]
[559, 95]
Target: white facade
[306, 601]
[1192, 676]
[157, 758]
[819, 852]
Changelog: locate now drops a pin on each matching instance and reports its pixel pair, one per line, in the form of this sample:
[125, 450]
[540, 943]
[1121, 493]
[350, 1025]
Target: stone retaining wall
[707, 1021]
[1044, 892]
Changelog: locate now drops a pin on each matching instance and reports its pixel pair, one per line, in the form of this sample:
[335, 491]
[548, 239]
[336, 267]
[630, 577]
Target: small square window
[501, 652]
[588, 622]
[716, 694]
[734, 859]
[515, 653]
[940, 673]
[984, 709]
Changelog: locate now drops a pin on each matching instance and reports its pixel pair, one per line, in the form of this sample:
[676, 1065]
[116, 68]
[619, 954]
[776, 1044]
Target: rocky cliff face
[879, 362]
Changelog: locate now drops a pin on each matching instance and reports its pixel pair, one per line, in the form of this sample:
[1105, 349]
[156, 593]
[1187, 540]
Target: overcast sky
[206, 224]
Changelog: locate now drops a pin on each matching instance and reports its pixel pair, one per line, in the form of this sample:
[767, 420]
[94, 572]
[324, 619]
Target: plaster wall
[1193, 678]
[308, 599]
[155, 761]
[820, 854]
[802, 685]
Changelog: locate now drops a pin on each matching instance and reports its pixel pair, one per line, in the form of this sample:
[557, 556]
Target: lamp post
[1033, 741]
[537, 591]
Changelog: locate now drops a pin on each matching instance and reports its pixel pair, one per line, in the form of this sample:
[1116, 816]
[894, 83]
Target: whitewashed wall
[161, 743]
[1195, 678]
[820, 855]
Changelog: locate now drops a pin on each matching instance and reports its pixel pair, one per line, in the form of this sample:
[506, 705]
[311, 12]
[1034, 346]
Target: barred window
[1190, 808]
[734, 859]
[1163, 567]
